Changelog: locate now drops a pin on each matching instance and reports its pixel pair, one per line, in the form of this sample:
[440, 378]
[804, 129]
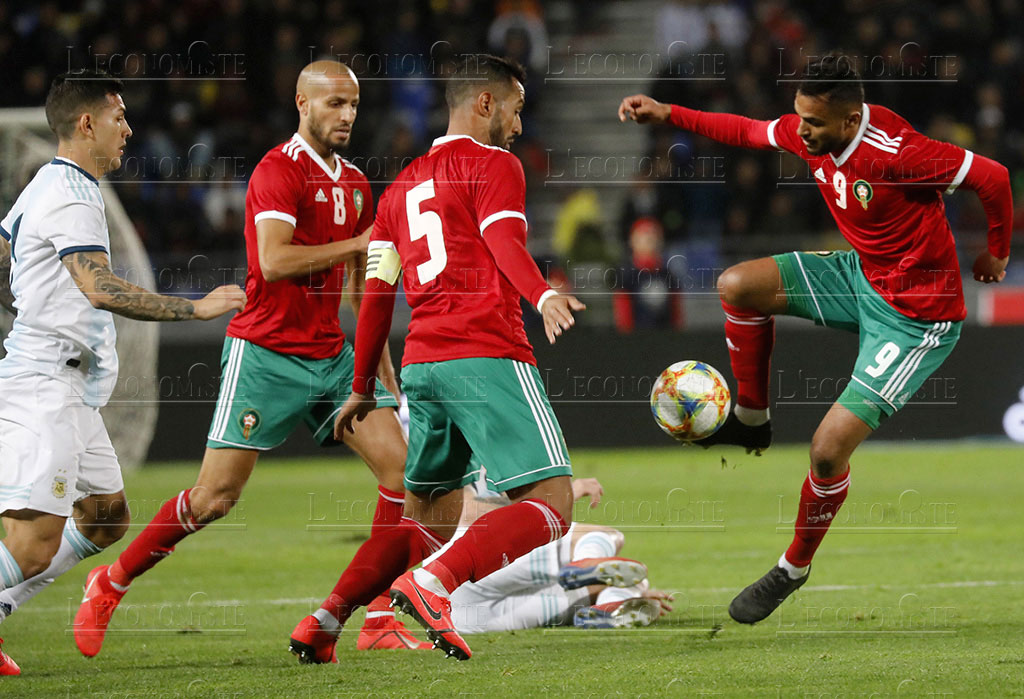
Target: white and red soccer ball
[690, 400]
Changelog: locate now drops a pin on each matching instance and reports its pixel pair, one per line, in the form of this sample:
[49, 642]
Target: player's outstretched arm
[105, 290]
[280, 258]
[730, 129]
[6, 297]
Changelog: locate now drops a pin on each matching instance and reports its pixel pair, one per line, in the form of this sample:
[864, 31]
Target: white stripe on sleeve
[965, 167]
[276, 215]
[500, 215]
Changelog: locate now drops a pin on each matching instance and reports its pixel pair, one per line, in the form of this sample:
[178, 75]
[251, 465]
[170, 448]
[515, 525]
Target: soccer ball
[690, 400]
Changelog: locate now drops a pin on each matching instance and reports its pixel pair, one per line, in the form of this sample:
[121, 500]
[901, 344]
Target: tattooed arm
[6, 297]
[105, 290]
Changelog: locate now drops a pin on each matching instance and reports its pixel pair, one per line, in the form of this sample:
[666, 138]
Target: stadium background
[634, 220]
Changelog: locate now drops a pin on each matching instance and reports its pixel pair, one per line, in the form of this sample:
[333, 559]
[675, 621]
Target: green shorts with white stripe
[897, 354]
[464, 413]
[264, 394]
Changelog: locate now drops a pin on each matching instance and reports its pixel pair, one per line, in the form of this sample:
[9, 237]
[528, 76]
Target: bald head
[324, 75]
[327, 97]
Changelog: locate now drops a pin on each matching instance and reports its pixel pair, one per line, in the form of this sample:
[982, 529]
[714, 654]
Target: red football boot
[433, 612]
[387, 632]
[93, 616]
[7, 664]
[312, 644]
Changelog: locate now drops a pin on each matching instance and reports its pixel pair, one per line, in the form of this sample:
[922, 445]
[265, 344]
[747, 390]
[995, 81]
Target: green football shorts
[481, 410]
[897, 354]
[264, 394]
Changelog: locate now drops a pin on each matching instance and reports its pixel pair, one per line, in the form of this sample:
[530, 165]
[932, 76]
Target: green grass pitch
[917, 590]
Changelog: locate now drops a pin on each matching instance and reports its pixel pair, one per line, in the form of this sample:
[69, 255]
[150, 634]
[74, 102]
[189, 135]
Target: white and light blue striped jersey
[60, 212]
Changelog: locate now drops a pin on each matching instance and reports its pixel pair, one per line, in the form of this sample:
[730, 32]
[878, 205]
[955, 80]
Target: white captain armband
[383, 262]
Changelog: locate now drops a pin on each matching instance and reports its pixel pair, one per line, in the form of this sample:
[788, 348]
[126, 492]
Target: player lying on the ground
[308, 213]
[61, 493]
[453, 226]
[899, 287]
[578, 580]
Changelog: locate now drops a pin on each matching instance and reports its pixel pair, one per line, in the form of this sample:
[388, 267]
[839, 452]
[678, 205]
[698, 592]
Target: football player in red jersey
[899, 287]
[453, 224]
[285, 357]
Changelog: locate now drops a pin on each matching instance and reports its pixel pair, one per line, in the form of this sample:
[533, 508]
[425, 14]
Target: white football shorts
[54, 449]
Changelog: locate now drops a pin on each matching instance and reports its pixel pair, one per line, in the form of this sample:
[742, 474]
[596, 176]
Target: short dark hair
[476, 69]
[74, 92]
[832, 78]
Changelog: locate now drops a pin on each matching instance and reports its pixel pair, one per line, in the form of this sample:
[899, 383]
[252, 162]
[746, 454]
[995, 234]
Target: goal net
[26, 143]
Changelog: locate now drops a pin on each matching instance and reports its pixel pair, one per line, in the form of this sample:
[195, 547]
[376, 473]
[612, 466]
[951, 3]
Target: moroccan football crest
[249, 421]
[862, 190]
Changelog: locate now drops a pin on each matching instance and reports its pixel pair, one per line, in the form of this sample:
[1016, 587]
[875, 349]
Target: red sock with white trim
[820, 500]
[388, 514]
[389, 509]
[495, 540]
[750, 337]
[172, 523]
[382, 558]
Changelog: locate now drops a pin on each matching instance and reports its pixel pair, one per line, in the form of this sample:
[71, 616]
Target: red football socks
[172, 523]
[388, 513]
[497, 539]
[382, 558]
[389, 509]
[820, 500]
[750, 337]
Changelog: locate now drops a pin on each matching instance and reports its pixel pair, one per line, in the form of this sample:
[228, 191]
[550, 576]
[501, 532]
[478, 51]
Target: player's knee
[103, 519]
[731, 287]
[827, 460]
[208, 505]
[112, 525]
[617, 537]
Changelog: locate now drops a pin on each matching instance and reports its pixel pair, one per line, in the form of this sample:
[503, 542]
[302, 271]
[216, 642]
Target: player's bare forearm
[280, 258]
[355, 281]
[386, 371]
[105, 290]
[6, 297]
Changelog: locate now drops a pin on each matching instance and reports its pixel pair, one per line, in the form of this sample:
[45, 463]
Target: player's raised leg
[751, 293]
[823, 493]
[223, 475]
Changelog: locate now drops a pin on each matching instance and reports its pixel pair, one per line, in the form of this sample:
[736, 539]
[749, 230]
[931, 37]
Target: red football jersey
[885, 193]
[462, 305]
[292, 183]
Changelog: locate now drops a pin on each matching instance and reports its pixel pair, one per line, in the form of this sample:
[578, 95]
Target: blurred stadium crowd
[211, 88]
